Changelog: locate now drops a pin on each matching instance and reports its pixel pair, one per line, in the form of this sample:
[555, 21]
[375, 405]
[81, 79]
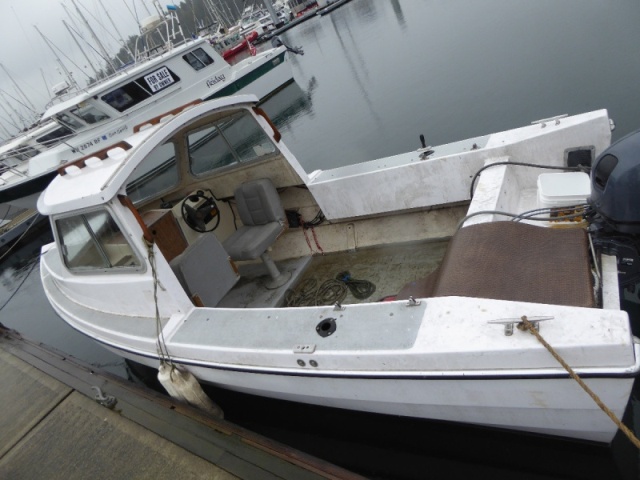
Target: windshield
[89, 113]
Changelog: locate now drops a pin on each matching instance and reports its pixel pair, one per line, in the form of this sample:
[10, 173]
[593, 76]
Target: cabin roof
[101, 180]
[24, 137]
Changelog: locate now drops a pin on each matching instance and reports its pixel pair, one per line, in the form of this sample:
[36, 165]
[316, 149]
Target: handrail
[101, 154]
[155, 120]
[276, 133]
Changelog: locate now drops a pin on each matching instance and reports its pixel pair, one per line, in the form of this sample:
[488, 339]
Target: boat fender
[181, 385]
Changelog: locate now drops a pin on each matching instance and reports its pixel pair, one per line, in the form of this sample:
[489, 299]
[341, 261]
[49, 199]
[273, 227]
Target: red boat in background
[240, 46]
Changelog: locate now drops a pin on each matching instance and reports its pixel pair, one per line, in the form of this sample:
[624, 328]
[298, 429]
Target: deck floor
[389, 268]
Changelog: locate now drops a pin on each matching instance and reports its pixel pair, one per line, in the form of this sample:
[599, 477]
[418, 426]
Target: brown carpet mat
[513, 261]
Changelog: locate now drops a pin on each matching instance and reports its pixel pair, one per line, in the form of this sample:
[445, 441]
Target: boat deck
[388, 268]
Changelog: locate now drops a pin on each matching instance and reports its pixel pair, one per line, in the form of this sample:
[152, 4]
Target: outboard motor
[615, 203]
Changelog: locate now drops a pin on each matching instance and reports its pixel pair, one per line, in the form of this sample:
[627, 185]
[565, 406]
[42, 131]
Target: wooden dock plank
[80, 439]
[27, 396]
[231, 448]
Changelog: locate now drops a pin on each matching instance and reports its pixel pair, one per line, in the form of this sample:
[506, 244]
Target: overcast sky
[31, 62]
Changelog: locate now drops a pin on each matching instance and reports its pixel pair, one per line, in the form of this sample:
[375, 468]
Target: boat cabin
[133, 88]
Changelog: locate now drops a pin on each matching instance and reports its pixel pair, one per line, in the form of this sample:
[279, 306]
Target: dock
[18, 225]
[62, 419]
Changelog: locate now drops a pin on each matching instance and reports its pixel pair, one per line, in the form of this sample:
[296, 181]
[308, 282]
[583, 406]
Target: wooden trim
[126, 201]
[234, 266]
[101, 154]
[196, 300]
[276, 133]
[175, 111]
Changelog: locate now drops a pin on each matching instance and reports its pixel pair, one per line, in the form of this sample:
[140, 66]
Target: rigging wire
[35, 261]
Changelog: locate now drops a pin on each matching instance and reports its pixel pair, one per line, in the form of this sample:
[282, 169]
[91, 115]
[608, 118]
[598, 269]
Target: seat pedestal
[277, 278]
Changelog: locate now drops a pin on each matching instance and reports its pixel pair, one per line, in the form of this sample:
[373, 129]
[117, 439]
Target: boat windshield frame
[97, 240]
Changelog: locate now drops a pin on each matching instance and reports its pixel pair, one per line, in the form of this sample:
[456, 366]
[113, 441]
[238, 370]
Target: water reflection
[290, 103]
[397, 10]
[24, 307]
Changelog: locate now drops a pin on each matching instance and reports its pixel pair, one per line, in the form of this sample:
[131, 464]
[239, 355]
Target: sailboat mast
[67, 73]
[124, 44]
[29, 105]
[95, 71]
[95, 37]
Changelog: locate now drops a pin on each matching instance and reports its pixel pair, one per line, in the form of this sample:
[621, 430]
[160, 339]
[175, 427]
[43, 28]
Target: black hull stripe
[28, 187]
[309, 372]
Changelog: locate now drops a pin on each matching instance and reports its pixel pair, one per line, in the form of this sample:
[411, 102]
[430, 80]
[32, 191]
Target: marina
[385, 132]
[161, 79]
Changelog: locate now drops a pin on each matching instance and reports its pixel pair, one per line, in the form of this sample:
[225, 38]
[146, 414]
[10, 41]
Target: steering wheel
[198, 218]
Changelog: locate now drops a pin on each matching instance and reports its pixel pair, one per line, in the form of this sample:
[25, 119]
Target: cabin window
[132, 93]
[24, 153]
[68, 121]
[93, 241]
[126, 96]
[54, 137]
[198, 59]
[233, 139]
[157, 173]
[89, 113]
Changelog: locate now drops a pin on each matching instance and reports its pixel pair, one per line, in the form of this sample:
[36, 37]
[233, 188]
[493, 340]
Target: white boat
[222, 204]
[165, 78]
[255, 20]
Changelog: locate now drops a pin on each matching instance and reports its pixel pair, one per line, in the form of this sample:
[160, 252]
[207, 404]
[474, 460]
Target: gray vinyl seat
[205, 271]
[263, 220]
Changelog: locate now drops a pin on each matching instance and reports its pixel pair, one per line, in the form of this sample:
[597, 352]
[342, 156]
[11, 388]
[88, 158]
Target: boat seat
[263, 220]
[205, 271]
[513, 261]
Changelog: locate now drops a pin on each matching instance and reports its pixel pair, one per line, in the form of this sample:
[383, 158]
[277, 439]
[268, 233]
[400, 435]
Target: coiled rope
[329, 292]
[528, 326]
[360, 289]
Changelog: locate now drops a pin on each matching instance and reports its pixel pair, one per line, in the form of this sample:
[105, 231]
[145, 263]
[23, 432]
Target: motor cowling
[615, 185]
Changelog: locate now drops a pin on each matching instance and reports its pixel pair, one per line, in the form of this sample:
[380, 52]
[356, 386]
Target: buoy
[183, 386]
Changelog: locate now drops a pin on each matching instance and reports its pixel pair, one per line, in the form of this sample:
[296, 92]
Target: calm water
[375, 75]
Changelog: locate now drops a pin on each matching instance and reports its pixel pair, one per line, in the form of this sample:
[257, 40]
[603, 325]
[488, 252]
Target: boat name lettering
[159, 79]
[212, 81]
[118, 131]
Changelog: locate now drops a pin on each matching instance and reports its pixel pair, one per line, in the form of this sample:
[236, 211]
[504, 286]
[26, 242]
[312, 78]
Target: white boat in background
[192, 242]
[16, 152]
[165, 77]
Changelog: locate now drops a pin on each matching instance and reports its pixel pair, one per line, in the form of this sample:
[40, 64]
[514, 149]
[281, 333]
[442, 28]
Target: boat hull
[536, 404]
[261, 80]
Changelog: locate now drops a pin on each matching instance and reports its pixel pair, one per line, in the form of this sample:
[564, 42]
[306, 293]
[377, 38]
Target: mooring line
[527, 325]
